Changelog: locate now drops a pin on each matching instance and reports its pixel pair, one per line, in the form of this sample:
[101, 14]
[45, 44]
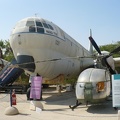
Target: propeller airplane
[42, 48]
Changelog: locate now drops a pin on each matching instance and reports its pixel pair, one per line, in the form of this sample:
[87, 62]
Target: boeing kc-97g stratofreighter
[43, 48]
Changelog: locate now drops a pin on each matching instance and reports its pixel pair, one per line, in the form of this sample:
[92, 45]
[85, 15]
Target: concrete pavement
[57, 107]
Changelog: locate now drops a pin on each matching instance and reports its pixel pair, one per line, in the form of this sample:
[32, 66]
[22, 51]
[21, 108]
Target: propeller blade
[115, 50]
[106, 61]
[90, 32]
[94, 44]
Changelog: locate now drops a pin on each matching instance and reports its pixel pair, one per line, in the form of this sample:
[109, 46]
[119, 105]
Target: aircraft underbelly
[52, 69]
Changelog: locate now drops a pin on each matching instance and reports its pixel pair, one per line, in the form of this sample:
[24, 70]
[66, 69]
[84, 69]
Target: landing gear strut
[73, 107]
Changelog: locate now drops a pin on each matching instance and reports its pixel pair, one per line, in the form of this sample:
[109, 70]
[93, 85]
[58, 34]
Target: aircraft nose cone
[26, 62]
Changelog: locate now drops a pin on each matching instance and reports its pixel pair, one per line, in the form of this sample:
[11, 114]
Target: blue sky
[76, 17]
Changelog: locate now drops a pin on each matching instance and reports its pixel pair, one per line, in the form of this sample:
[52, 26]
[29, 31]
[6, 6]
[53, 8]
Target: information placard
[36, 85]
[116, 90]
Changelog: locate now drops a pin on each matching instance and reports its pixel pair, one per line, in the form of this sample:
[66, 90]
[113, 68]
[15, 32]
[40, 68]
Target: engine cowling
[93, 85]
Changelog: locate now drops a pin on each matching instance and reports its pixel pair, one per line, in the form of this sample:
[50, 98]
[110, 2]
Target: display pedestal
[11, 111]
[36, 105]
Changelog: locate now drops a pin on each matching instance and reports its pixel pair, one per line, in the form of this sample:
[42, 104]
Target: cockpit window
[31, 29]
[40, 30]
[50, 27]
[21, 24]
[30, 23]
[45, 25]
[39, 24]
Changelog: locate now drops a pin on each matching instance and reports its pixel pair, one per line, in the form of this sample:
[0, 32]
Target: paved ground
[57, 107]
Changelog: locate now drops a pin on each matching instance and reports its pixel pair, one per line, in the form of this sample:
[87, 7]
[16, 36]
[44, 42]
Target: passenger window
[50, 27]
[30, 23]
[39, 24]
[45, 25]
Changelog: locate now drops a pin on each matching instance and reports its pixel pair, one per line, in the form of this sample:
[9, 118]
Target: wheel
[45, 85]
[28, 94]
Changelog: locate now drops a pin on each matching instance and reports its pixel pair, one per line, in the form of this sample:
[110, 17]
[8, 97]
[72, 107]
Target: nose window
[40, 30]
[39, 27]
[35, 26]
[20, 24]
[30, 23]
[31, 29]
[45, 25]
[39, 24]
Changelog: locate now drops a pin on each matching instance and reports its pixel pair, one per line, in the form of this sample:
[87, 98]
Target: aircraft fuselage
[35, 40]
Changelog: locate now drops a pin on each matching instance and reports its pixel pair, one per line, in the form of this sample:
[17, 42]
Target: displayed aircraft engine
[93, 86]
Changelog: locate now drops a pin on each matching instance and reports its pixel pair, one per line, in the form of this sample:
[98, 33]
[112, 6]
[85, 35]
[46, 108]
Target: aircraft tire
[28, 94]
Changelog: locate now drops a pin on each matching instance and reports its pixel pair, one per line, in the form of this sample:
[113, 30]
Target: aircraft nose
[26, 62]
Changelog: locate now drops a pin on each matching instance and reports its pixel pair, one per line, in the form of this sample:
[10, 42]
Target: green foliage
[111, 47]
[23, 79]
[7, 54]
[2, 45]
[71, 81]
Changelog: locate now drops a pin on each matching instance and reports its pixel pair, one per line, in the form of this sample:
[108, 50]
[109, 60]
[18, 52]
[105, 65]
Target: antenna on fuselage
[36, 14]
[90, 44]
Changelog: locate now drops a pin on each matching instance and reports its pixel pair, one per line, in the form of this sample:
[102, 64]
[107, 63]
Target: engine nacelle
[93, 86]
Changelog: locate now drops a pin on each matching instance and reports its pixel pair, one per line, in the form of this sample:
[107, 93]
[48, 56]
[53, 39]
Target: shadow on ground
[65, 98]
[105, 108]
[69, 98]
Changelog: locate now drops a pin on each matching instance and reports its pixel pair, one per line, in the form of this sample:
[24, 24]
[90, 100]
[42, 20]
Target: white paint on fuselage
[52, 45]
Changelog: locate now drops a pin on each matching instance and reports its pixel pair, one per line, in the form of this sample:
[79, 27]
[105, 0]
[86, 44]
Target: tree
[5, 50]
[8, 54]
[2, 46]
[111, 47]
